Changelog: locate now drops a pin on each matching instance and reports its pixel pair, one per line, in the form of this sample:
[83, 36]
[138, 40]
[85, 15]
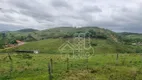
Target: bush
[93, 44]
[24, 56]
[27, 56]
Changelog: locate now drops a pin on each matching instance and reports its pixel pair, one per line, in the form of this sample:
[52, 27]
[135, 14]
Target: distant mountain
[62, 32]
[4, 27]
[129, 35]
[27, 30]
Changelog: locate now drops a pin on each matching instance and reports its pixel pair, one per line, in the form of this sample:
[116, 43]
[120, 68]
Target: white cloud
[117, 15]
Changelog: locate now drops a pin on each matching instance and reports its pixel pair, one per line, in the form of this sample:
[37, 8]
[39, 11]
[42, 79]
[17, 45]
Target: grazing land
[99, 67]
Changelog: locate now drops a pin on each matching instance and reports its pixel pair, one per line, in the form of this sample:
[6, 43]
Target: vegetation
[105, 40]
[108, 62]
[100, 67]
[62, 32]
[100, 46]
[130, 38]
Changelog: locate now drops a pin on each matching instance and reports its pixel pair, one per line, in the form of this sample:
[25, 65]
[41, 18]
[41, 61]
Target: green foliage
[24, 56]
[27, 56]
[27, 30]
[64, 32]
[107, 40]
[130, 38]
[100, 67]
[99, 45]
[138, 49]
[93, 44]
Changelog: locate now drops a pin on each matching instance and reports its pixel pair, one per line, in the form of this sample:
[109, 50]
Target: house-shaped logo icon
[79, 48]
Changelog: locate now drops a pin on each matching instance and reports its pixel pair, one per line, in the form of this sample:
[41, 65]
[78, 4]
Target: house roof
[18, 41]
[65, 45]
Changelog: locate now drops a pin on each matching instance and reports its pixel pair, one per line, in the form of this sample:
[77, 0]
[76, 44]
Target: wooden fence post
[117, 57]
[49, 71]
[11, 64]
[51, 63]
[87, 62]
[67, 64]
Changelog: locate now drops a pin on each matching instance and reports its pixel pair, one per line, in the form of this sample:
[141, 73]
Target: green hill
[27, 30]
[51, 46]
[131, 35]
[48, 41]
[65, 32]
[29, 35]
[130, 38]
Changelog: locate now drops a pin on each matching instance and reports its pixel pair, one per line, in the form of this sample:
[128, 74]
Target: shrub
[24, 56]
[27, 56]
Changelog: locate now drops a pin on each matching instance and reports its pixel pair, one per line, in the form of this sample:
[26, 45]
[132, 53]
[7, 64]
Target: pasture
[98, 67]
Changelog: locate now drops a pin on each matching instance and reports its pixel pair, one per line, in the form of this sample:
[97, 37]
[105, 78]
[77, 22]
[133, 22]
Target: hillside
[48, 41]
[51, 46]
[108, 55]
[62, 32]
[131, 38]
[27, 30]
[131, 35]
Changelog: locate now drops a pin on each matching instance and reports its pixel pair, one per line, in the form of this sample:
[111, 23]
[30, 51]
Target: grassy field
[105, 64]
[100, 67]
[51, 46]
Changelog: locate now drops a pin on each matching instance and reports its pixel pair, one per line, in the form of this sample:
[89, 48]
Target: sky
[116, 15]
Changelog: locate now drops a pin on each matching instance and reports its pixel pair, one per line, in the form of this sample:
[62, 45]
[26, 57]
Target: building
[27, 51]
[20, 42]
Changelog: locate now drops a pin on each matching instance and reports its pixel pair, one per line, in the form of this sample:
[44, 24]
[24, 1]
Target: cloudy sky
[116, 15]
